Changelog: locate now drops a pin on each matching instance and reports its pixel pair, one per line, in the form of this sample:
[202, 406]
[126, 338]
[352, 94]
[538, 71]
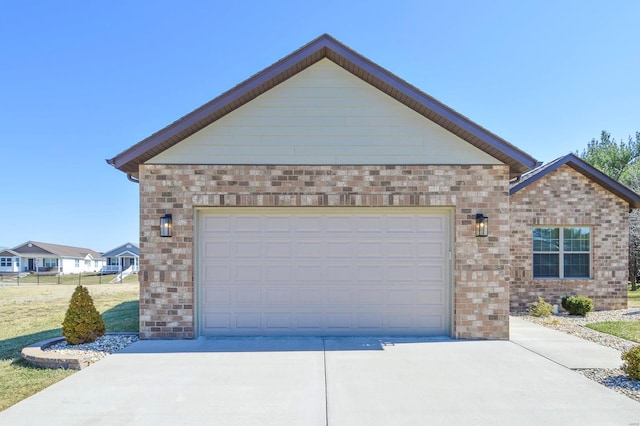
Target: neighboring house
[122, 258]
[54, 258]
[326, 196]
[570, 235]
[9, 261]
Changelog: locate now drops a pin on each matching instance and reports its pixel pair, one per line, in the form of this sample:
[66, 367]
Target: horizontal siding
[323, 115]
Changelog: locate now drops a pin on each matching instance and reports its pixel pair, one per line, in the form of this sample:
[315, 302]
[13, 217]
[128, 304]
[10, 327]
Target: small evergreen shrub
[82, 322]
[577, 305]
[541, 308]
[631, 364]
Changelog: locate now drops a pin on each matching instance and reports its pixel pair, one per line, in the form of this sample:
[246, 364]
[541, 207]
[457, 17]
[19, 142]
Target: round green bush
[631, 364]
[82, 322]
[577, 305]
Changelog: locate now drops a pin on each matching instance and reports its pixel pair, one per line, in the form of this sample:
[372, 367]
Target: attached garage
[324, 271]
[323, 196]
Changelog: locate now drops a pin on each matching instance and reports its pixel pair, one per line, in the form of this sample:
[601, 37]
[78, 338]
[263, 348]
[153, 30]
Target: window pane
[576, 239]
[546, 265]
[576, 265]
[546, 239]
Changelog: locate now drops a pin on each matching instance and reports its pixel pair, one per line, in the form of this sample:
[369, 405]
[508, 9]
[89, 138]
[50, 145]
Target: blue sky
[82, 81]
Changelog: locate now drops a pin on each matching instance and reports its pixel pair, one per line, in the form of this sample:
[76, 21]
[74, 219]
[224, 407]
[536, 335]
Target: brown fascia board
[324, 46]
[588, 171]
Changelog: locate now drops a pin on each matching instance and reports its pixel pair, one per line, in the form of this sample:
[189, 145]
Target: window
[562, 252]
[50, 262]
[5, 261]
[77, 263]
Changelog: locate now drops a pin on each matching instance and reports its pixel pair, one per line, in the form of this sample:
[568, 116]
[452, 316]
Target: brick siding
[481, 268]
[565, 197]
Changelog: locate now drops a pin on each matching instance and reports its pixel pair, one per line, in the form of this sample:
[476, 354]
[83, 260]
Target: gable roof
[324, 46]
[39, 248]
[132, 249]
[8, 253]
[586, 169]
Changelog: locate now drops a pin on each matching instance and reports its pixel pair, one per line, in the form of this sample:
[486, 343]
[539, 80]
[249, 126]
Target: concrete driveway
[315, 381]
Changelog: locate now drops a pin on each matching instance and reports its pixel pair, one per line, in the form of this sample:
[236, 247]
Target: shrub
[540, 308]
[631, 364]
[82, 322]
[577, 305]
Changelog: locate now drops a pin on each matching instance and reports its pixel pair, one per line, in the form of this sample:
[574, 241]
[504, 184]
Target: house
[326, 196]
[122, 258]
[50, 258]
[9, 261]
[569, 235]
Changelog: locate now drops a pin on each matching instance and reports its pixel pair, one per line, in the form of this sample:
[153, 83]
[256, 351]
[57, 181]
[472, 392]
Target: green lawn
[30, 313]
[629, 330]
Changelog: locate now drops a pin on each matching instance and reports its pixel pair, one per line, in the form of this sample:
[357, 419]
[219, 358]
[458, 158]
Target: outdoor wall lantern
[166, 225]
[482, 225]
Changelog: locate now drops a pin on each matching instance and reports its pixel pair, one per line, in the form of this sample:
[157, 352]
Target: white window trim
[561, 252]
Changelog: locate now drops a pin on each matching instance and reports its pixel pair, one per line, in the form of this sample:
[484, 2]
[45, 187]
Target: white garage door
[374, 271]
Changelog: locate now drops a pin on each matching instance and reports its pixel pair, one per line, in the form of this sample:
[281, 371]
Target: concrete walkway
[333, 381]
[567, 350]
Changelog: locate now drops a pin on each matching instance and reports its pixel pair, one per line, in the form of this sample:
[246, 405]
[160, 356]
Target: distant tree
[620, 161]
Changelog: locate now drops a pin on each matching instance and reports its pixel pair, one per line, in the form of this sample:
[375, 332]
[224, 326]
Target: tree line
[620, 161]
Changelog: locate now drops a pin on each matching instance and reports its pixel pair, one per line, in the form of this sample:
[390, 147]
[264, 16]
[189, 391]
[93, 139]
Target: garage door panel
[280, 320]
[370, 274]
[219, 248]
[323, 273]
[401, 224]
[247, 273]
[248, 320]
[309, 296]
[245, 224]
[338, 273]
[432, 273]
[248, 249]
[248, 296]
[220, 322]
[368, 249]
[400, 248]
[370, 297]
[433, 322]
[216, 273]
[339, 249]
[371, 320]
[277, 273]
[309, 321]
[217, 296]
[435, 250]
[308, 273]
[280, 296]
[401, 273]
[339, 297]
[309, 249]
[339, 320]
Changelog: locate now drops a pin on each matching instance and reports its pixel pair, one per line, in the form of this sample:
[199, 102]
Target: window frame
[6, 262]
[561, 252]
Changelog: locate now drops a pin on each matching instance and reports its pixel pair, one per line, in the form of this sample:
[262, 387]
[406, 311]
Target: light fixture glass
[166, 225]
[482, 225]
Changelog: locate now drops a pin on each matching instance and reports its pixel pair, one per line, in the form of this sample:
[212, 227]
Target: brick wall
[567, 198]
[481, 267]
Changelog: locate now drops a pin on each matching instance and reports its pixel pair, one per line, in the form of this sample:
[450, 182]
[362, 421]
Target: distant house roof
[324, 46]
[36, 248]
[8, 253]
[586, 169]
[124, 249]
